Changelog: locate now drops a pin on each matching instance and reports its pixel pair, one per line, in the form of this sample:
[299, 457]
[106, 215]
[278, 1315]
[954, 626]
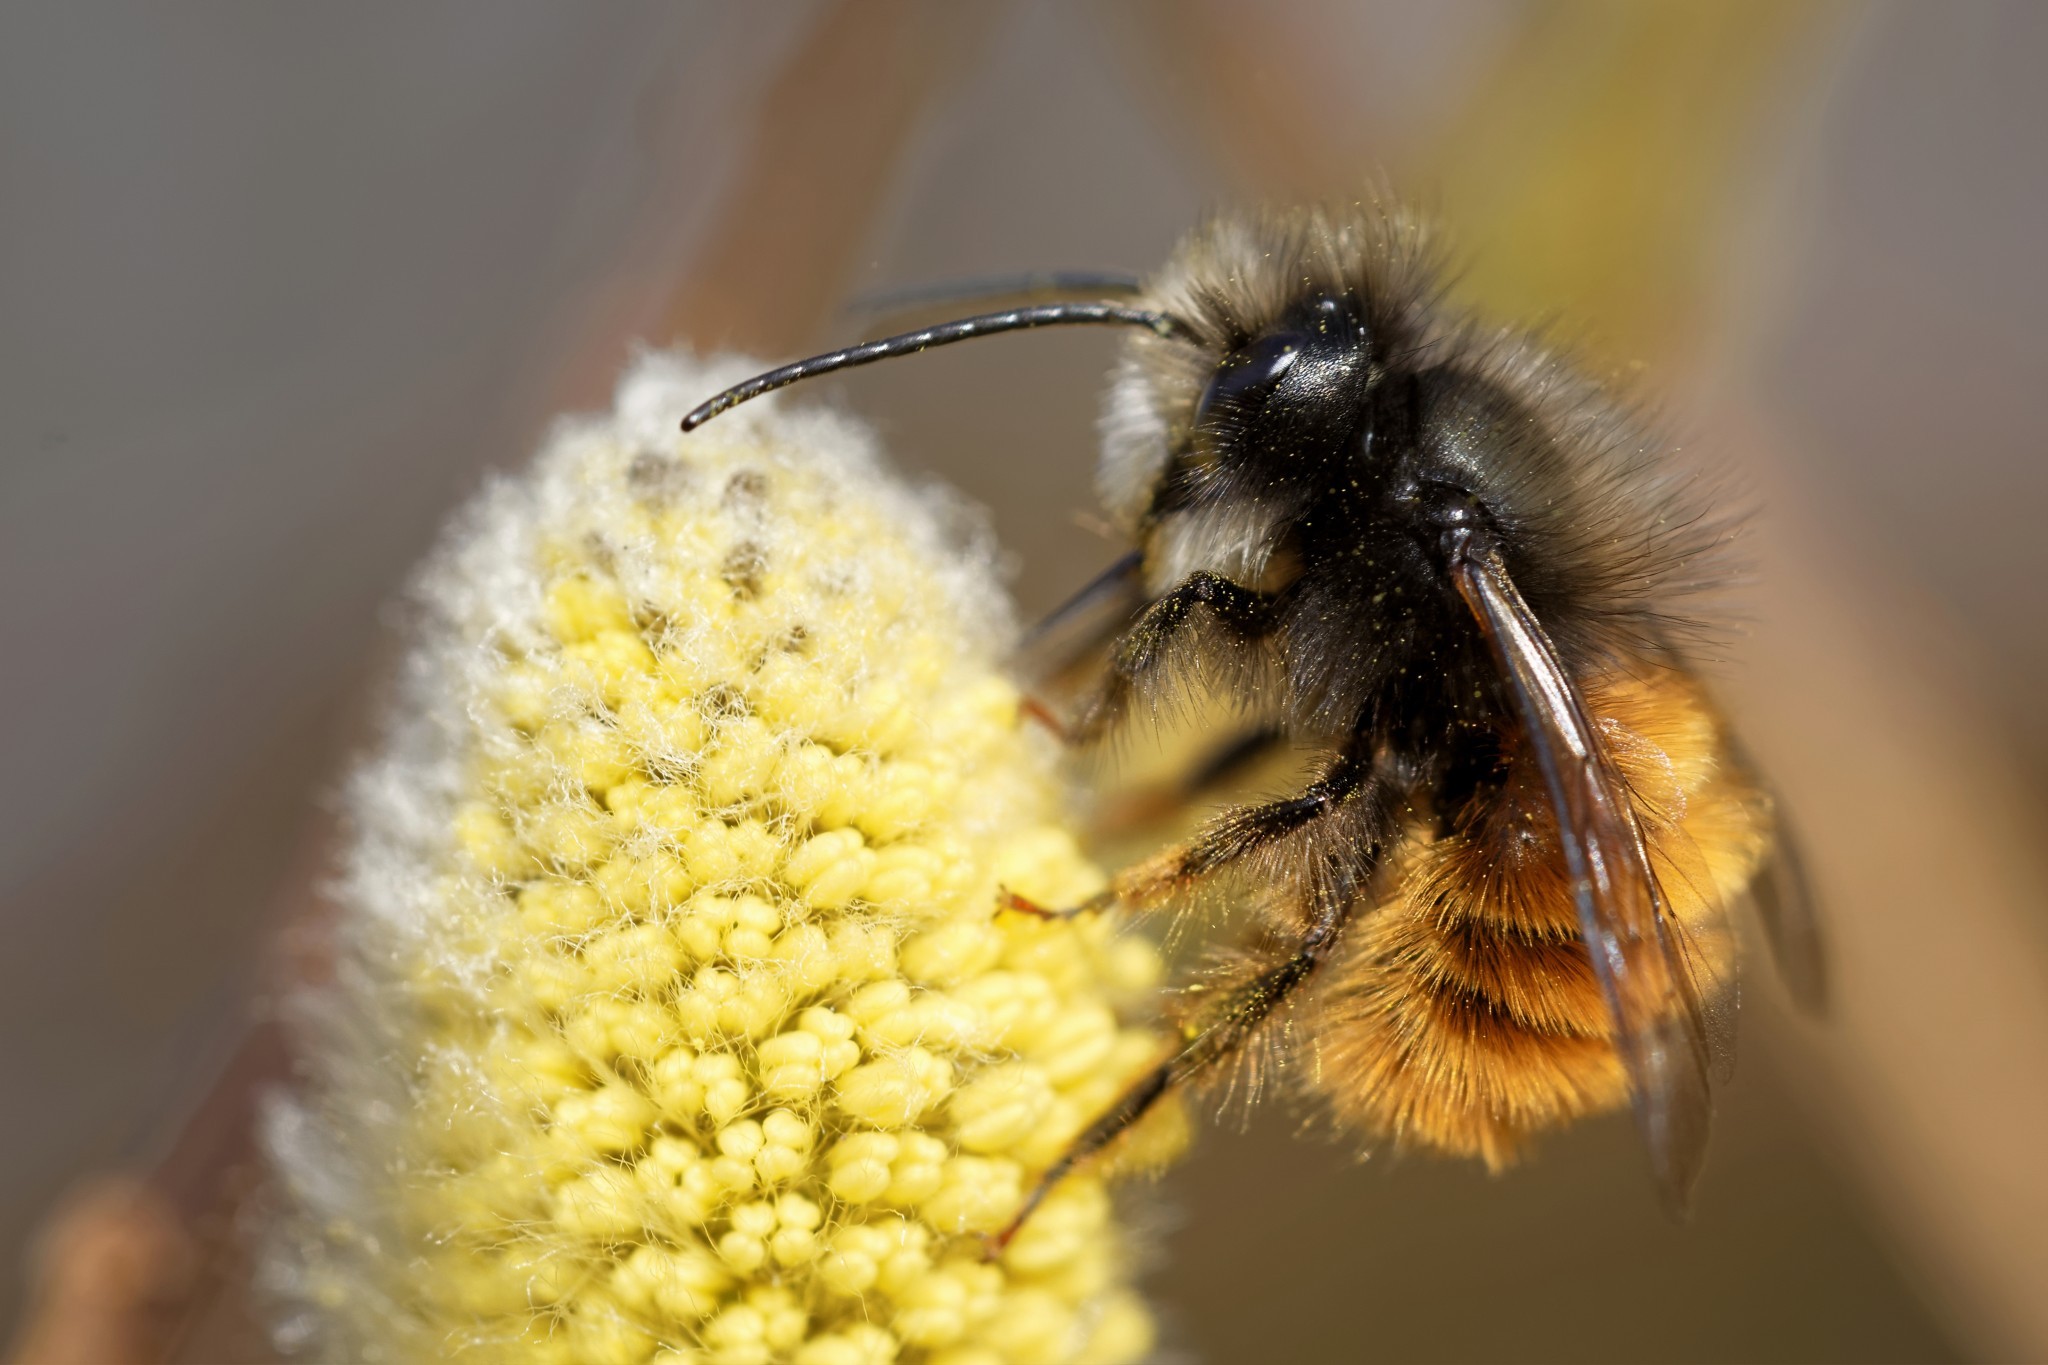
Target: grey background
[276, 284]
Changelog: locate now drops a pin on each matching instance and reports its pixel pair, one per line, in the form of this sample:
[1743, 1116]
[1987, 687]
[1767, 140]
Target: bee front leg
[1006, 899]
[1248, 616]
[1141, 650]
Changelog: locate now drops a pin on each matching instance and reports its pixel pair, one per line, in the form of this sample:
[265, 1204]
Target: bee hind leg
[1218, 1033]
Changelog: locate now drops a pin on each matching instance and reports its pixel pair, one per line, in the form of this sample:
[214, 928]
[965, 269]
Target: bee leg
[1031, 708]
[1154, 803]
[1226, 839]
[1215, 1037]
[1009, 900]
[1231, 836]
[1238, 833]
[1140, 650]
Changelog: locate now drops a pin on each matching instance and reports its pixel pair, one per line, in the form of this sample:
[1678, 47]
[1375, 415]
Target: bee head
[1254, 346]
[1286, 325]
[1292, 388]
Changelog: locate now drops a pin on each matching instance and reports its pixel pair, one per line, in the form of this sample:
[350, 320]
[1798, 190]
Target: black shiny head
[1294, 388]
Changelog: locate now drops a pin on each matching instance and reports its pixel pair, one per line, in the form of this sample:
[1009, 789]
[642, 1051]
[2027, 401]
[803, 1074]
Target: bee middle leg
[1248, 615]
[1231, 836]
[1153, 803]
[1238, 833]
[1083, 623]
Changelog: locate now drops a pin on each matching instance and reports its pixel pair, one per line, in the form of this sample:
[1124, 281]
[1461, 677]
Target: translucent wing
[1784, 903]
[1660, 1031]
[1702, 931]
[1784, 900]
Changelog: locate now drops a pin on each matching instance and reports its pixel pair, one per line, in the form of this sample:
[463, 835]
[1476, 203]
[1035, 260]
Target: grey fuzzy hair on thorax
[1607, 529]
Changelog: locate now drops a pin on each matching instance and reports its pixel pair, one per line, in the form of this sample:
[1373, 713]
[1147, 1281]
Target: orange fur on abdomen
[1464, 1016]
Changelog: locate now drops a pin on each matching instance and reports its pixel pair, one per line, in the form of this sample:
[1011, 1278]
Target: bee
[1474, 584]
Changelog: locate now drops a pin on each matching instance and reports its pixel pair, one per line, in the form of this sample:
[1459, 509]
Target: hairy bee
[1468, 578]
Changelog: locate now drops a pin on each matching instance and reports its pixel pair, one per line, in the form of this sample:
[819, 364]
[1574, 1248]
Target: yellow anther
[864, 952]
[719, 1054]
[743, 754]
[1000, 1107]
[792, 1065]
[975, 1194]
[1071, 1215]
[482, 834]
[860, 1343]
[915, 1174]
[860, 1166]
[893, 1091]
[609, 1120]
[738, 1336]
[578, 608]
[684, 1284]
[561, 908]
[742, 1139]
[643, 885]
[525, 697]
[1032, 1324]
[1073, 1043]
[570, 835]
[953, 952]
[784, 1322]
[906, 880]
[637, 957]
[598, 1204]
[606, 1028]
[830, 869]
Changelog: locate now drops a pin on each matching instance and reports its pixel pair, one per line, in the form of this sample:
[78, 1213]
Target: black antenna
[987, 324]
[1022, 287]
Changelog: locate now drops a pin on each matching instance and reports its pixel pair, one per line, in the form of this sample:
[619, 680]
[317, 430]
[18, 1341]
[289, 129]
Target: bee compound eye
[1290, 389]
[1247, 377]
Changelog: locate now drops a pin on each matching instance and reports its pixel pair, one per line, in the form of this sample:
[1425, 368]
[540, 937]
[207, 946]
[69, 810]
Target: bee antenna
[1021, 287]
[944, 334]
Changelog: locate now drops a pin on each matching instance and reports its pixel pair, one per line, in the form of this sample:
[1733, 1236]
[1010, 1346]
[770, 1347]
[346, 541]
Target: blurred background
[279, 285]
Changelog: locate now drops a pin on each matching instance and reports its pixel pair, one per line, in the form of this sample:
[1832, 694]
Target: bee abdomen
[1464, 1036]
[1465, 1017]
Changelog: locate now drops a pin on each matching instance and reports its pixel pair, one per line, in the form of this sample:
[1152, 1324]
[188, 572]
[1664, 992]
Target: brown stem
[832, 128]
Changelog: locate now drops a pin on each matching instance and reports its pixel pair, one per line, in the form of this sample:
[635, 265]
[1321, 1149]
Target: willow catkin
[673, 1019]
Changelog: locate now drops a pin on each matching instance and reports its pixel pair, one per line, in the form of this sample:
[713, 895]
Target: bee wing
[1713, 973]
[1785, 905]
[1784, 901]
[1703, 932]
[1660, 1031]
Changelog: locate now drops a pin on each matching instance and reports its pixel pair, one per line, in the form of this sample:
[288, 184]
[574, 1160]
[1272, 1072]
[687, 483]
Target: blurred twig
[113, 1276]
[137, 1272]
[822, 159]
[1924, 840]
[1591, 177]
[1587, 176]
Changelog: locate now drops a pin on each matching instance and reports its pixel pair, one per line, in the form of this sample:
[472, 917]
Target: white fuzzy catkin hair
[671, 1016]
